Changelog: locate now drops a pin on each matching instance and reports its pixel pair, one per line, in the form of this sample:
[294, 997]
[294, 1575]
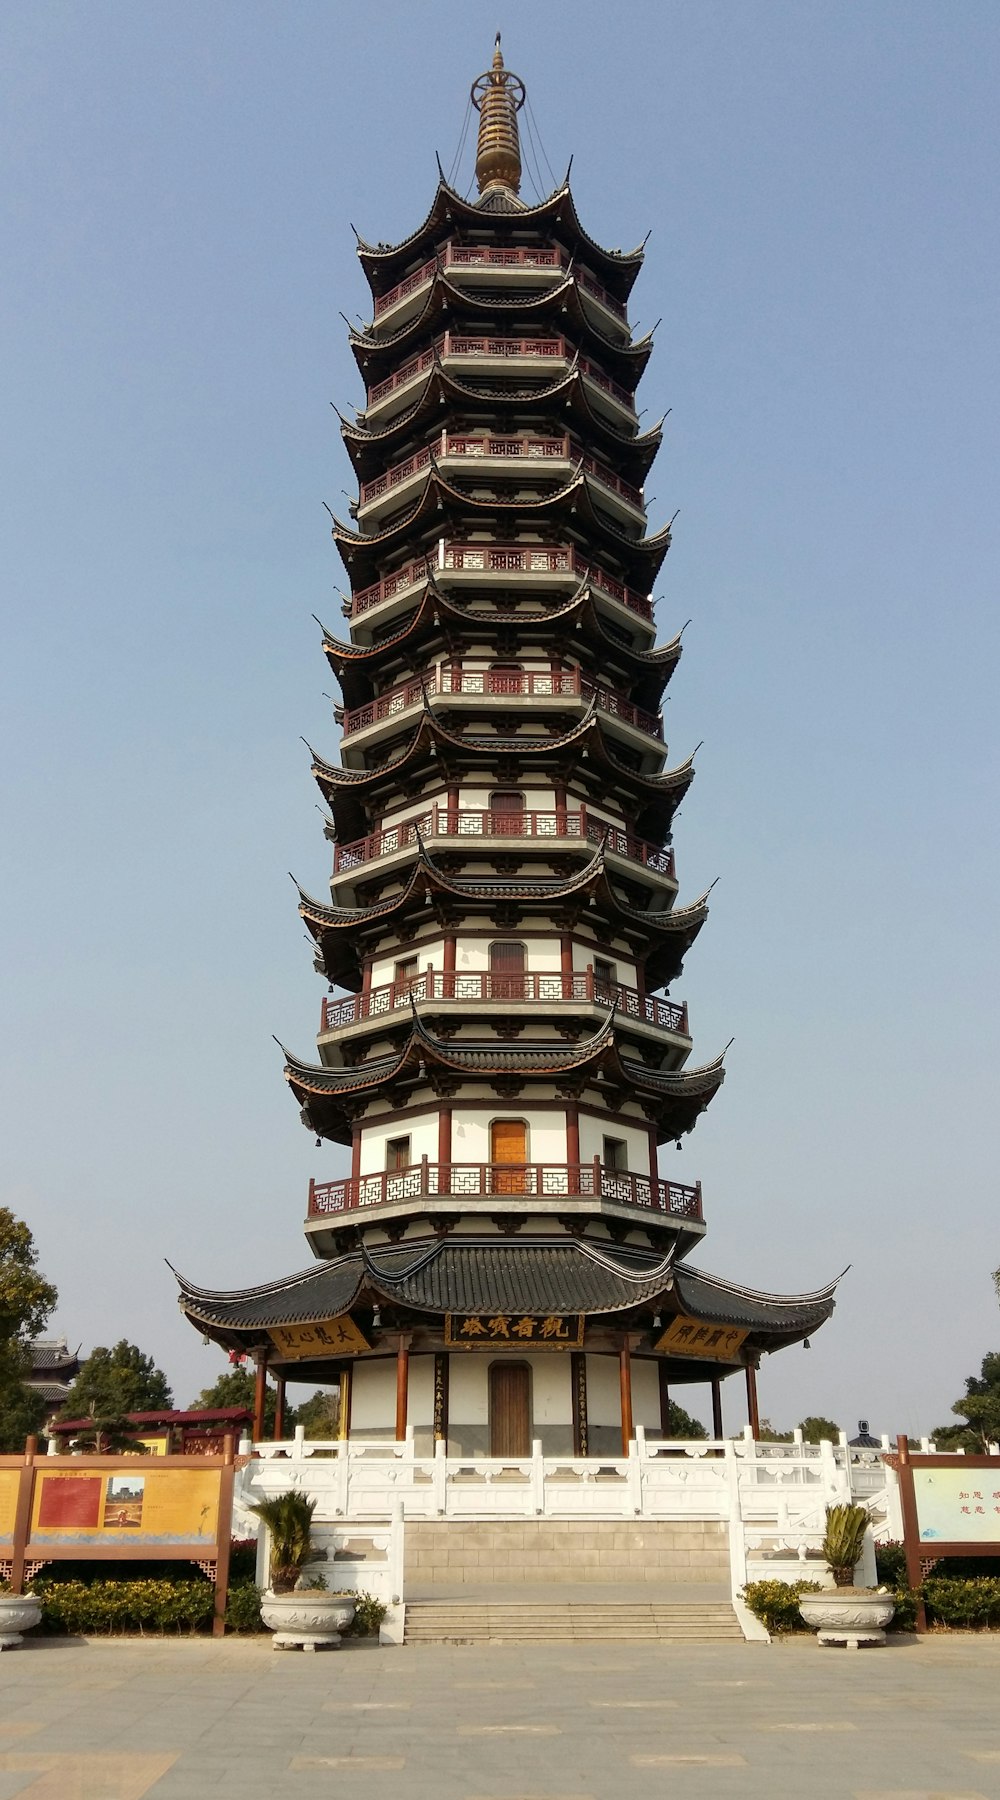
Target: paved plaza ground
[192, 1720]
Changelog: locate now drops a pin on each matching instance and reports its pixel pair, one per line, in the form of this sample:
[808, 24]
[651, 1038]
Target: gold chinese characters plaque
[691, 1337]
[326, 1337]
[514, 1331]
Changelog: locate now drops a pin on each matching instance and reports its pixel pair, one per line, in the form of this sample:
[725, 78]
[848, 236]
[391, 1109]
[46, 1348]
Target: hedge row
[92, 1608]
[967, 1605]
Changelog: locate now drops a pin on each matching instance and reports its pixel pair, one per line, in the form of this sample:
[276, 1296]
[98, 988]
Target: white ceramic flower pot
[306, 1619]
[851, 1616]
[18, 1612]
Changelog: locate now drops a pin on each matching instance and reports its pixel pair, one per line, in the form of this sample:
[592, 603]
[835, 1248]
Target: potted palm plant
[845, 1614]
[300, 1612]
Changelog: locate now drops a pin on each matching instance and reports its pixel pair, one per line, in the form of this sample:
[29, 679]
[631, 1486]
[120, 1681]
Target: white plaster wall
[384, 968]
[604, 1395]
[420, 1128]
[468, 1391]
[541, 953]
[551, 1390]
[373, 1396]
[546, 1135]
[594, 1131]
[583, 957]
[645, 1395]
[420, 1393]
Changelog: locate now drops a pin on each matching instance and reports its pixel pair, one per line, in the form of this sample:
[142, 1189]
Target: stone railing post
[440, 1477]
[537, 1476]
[636, 1458]
[343, 1480]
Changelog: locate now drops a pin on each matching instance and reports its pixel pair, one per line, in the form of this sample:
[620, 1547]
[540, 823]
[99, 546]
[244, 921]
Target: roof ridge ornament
[498, 96]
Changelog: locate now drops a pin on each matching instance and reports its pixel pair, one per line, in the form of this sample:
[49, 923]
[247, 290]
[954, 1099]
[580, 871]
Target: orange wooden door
[508, 1155]
[510, 1410]
[506, 813]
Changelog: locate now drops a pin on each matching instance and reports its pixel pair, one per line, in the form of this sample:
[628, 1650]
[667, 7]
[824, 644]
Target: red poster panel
[70, 1500]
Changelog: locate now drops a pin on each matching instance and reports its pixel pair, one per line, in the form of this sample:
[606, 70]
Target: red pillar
[259, 1396]
[279, 1409]
[448, 974]
[444, 1149]
[752, 1413]
[573, 1135]
[402, 1384]
[625, 1371]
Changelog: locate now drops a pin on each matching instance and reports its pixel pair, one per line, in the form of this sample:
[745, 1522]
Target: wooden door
[508, 1156]
[507, 980]
[506, 813]
[510, 1409]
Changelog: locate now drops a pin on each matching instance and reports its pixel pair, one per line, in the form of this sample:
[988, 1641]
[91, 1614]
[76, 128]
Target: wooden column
[22, 1515]
[259, 1397]
[566, 953]
[355, 1154]
[344, 1417]
[448, 973]
[453, 798]
[559, 789]
[654, 1163]
[366, 976]
[402, 1383]
[717, 1430]
[753, 1415]
[578, 1379]
[664, 1385]
[625, 1370]
[441, 1398]
[444, 1148]
[279, 1409]
[573, 1134]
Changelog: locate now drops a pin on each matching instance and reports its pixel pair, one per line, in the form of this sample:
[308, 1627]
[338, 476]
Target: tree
[236, 1388]
[980, 1409]
[320, 1414]
[26, 1300]
[681, 1425]
[117, 1381]
[815, 1428]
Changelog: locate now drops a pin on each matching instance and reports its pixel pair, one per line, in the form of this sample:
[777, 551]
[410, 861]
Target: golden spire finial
[498, 97]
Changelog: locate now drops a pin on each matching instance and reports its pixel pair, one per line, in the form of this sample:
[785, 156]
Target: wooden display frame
[918, 1558]
[26, 1555]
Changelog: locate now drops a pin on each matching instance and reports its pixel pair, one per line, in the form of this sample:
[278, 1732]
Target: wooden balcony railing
[450, 822]
[549, 987]
[500, 559]
[450, 344]
[475, 1181]
[503, 683]
[531, 449]
[487, 256]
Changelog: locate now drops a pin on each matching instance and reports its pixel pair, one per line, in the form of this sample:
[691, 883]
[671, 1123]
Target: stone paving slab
[164, 1719]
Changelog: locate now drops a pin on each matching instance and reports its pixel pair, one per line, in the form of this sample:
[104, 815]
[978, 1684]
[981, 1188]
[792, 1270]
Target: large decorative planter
[306, 1619]
[850, 1616]
[18, 1612]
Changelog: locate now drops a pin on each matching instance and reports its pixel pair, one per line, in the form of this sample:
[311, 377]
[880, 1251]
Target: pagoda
[499, 1047]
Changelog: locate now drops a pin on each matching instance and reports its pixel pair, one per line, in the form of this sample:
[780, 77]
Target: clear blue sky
[820, 183]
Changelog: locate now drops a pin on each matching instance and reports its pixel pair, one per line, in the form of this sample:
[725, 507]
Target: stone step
[430, 1621]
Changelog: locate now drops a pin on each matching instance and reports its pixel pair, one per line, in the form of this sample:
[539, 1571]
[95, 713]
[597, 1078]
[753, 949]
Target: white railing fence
[772, 1497]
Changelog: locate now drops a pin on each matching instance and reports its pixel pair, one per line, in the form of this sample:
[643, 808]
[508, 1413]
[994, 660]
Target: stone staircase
[512, 1622]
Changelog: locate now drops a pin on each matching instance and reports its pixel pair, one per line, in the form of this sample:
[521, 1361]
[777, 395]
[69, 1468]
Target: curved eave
[364, 553]
[329, 1098]
[446, 300]
[380, 261]
[638, 451]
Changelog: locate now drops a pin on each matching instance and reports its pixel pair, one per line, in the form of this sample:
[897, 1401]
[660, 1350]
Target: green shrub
[905, 1616]
[890, 1564]
[89, 1609]
[368, 1616]
[968, 1605]
[243, 1607]
[776, 1603]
